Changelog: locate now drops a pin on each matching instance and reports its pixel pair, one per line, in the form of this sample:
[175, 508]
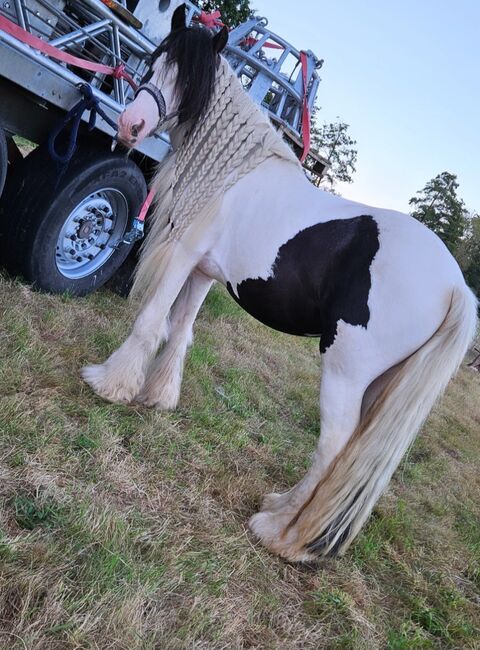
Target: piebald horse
[381, 291]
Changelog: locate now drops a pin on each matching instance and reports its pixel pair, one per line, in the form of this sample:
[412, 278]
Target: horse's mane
[192, 52]
[231, 138]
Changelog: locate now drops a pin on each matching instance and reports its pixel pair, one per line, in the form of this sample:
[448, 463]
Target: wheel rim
[88, 234]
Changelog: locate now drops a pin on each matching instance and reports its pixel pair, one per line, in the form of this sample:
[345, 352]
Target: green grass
[25, 146]
[123, 527]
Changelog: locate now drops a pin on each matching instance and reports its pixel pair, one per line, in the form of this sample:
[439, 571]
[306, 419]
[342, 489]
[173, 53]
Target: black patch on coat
[319, 276]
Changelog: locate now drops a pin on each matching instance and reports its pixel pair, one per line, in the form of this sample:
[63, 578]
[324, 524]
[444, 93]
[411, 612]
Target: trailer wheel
[3, 159]
[60, 230]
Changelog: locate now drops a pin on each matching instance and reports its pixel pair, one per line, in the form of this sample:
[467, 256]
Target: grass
[24, 146]
[122, 527]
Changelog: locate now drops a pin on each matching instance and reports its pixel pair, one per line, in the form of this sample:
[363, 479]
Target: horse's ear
[220, 40]
[178, 18]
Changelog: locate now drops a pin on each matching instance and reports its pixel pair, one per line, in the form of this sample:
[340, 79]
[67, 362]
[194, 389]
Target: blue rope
[74, 115]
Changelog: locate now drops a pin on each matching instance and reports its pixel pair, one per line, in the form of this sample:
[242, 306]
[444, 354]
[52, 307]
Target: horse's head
[180, 80]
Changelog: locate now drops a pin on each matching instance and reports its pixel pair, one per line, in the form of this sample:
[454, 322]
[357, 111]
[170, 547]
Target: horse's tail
[343, 499]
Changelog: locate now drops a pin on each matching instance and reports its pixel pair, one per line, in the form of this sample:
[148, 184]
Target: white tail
[341, 502]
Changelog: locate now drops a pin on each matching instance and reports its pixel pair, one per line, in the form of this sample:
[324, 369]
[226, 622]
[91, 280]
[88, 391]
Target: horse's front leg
[121, 377]
[165, 373]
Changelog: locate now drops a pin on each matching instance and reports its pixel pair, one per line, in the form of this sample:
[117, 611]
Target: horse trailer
[67, 69]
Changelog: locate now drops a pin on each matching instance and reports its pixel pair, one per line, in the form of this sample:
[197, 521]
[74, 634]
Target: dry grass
[125, 528]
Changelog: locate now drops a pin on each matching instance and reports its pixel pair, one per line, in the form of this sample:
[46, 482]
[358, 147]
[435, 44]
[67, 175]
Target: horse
[382, 293]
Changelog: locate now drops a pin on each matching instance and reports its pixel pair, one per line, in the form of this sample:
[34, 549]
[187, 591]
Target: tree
[439, 208]
[468, 253]
[233, 13]
[335, 143]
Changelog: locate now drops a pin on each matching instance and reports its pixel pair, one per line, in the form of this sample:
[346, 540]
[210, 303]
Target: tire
[57, 229]
[3, 159]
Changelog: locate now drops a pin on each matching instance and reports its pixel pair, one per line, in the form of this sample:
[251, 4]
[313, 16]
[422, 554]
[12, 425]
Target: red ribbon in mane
[210, 20]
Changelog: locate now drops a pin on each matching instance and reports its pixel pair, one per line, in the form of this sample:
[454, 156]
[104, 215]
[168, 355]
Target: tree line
[440, 208]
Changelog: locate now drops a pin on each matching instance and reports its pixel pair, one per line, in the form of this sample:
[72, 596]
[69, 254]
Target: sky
[406, 77]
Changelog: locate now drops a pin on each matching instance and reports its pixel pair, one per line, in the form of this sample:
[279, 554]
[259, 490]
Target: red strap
[210, 20]
[146, 205]
[25, 37]
[305, 110]
[251, 40]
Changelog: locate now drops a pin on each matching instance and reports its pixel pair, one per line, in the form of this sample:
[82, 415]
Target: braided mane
[232, 138]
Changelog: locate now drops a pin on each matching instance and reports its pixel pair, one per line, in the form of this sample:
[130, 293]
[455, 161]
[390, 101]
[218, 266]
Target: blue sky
[406, 77]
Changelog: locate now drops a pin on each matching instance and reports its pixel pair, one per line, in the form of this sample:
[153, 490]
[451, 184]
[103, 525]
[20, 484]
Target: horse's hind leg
[122, 375]
[340, 407]
[164, 375]
[341, 398]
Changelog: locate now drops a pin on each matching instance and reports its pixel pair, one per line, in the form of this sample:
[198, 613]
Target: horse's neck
[232, 120]
[232, 139]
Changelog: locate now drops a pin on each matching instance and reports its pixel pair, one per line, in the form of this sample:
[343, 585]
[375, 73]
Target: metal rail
[276, 83]
[89, 29]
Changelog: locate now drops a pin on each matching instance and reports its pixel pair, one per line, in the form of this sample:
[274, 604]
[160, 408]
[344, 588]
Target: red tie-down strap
[251, 40]
[146, 205]
[22, 35]
[305, 109]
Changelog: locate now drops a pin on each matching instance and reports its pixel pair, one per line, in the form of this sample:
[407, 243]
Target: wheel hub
[86, 228]
[87, 237]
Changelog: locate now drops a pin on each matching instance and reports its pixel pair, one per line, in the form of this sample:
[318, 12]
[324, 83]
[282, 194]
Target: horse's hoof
[271, 530]
[159, 402]
[98, 379]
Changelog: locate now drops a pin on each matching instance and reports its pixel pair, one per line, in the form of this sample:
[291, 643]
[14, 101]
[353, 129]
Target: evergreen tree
[468, 253]
[440, 209]
[233, 13]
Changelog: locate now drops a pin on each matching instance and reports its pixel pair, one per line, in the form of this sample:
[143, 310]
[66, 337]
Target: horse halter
[157, 95]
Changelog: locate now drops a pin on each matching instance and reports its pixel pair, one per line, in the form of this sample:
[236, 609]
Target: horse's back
[300, 260]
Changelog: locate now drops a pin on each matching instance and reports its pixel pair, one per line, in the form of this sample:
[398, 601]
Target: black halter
[157, 95]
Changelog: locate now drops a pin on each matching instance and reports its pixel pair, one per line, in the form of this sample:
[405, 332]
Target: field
[124, 528]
